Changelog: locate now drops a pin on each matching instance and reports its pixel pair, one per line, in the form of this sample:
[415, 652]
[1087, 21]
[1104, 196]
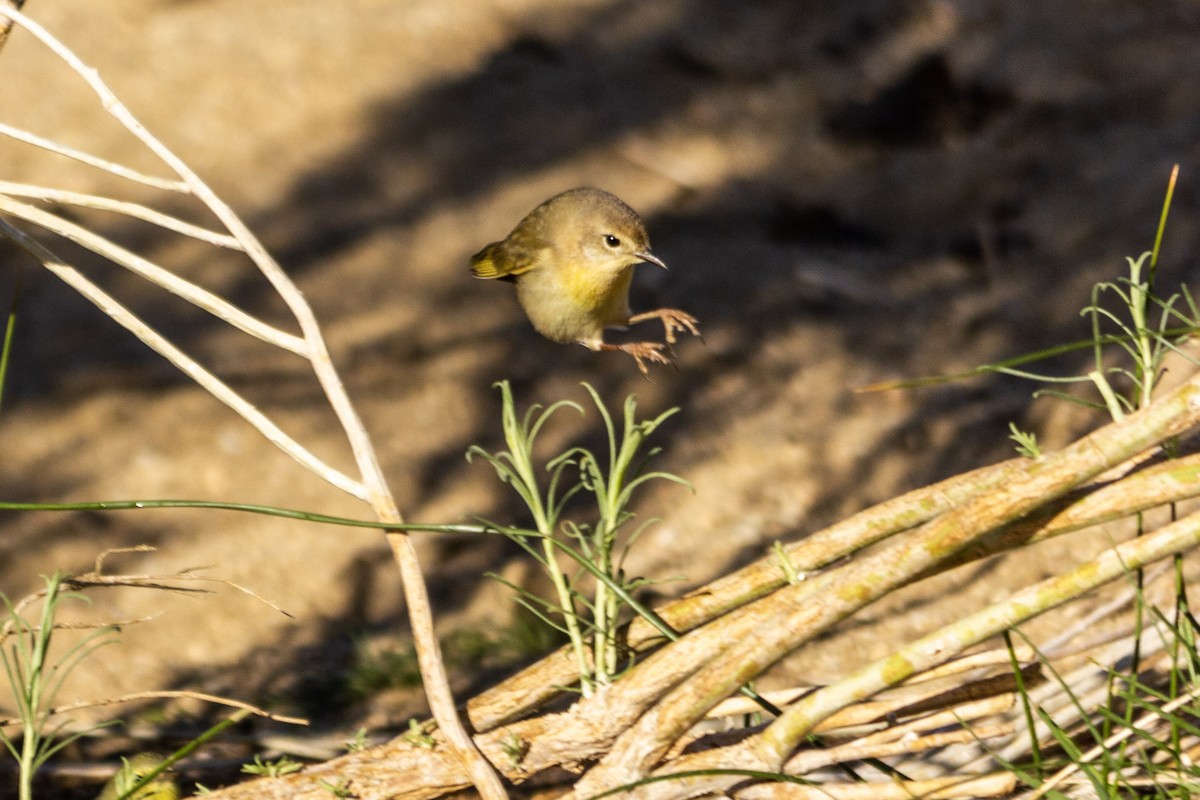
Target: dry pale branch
[810, 761]
[587, 730]
[874, 713]
[540, 682]
[994, 785]
[123, 207]
[1085, 683]
[192, 368]
[164, 694]
[782, 736]
[951, 715]
[167, 583]
[87, 158]
[372, 486]
[200, 297]
[98, 579]
[1151, 486]
[796, 613]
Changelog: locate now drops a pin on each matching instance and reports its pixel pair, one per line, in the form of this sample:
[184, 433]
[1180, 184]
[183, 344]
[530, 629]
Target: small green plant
[272, 769]
[589, 623]
[780, 556]
[1131, 327]
[359, 742]
[140, 778]
[35, 677]
[420, 735]
[339, 789]
[1027, 444]
[514, 748]
[1146, 346]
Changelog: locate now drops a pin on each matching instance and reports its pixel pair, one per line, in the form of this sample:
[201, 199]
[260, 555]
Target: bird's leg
[651, 351]
[672, 319]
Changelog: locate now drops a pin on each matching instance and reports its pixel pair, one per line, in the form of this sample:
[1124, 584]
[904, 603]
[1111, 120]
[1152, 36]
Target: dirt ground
[845, 193]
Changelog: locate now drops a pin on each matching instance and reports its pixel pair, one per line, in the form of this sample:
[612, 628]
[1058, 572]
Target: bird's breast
[570, 305]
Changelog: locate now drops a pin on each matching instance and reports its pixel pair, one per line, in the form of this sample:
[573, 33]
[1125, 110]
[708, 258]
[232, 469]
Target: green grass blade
[1162, 222]
[10, 328]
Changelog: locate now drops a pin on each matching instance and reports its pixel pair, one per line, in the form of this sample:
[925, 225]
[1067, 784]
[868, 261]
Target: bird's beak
[651, 259]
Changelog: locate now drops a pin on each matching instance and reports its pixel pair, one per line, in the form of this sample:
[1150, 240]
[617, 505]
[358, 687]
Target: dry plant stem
[1163, 483]
[1074, 639]
[644, 685]
[956, 716]
[211, 383]
[1155, 485]
[167, 583]
[998, 784]
[126, 208]
[394, 771]
[399, 771]
[577, 735]
[769, 750]
[168, 695]
[987, 658]
[1171, 481]
[787, 731]
[202, 298]
[819, 759]
[88, 158]
[799, 612]
[538, 683]
[920, 689]
[437, 685]
[589, 726]
[920, 734]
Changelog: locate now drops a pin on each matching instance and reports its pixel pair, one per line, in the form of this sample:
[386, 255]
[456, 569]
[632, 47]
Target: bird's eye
[611, 241]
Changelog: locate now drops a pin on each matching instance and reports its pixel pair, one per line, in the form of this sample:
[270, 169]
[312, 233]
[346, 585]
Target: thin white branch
[157, 342]
[360, 443]
[189, 291]
[433, 672]
[153, 272]
[88, 158]
[134, 210]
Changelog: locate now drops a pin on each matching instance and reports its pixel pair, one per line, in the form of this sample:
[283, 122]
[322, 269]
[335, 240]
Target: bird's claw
[650, 351]
[673, 320]
[641, 353]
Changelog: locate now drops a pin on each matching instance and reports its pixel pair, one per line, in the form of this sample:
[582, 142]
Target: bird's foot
[673, 321]
[641, 352]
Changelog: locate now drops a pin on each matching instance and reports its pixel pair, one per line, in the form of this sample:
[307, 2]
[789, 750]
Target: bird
[572, 261]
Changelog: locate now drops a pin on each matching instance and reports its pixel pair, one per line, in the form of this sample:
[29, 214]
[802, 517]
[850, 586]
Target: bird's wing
[507, 259]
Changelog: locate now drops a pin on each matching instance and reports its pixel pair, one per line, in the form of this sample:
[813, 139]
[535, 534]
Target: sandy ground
[845, 193]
